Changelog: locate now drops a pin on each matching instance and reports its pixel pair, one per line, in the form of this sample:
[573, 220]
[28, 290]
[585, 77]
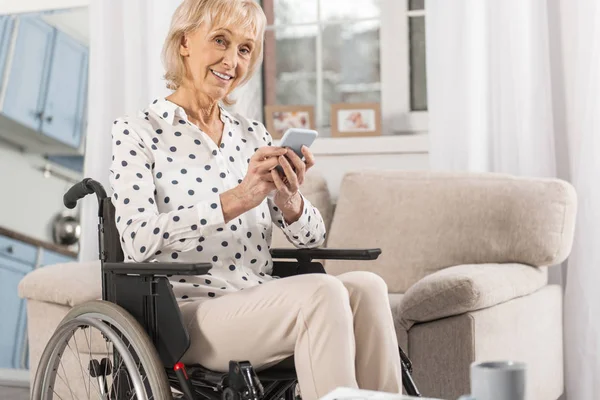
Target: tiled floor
[14, 393]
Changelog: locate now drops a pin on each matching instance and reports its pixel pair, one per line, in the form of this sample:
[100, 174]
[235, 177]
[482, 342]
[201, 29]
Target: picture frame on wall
[355, 119]
[279, 119]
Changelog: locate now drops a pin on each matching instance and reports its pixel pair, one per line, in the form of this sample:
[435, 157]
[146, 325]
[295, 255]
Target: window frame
[396, 114]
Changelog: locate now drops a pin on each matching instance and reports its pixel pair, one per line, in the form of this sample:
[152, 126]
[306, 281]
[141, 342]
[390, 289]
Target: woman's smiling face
[216, 59]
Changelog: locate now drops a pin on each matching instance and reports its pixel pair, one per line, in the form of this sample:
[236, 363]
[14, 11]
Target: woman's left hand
[287, 197]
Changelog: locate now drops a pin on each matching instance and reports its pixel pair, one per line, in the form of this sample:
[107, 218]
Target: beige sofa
[464, 257]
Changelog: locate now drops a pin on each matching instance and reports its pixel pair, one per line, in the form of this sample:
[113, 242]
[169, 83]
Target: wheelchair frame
[143, 290]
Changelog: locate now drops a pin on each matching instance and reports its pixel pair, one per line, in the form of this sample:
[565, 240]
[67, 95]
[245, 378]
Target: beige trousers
[339, 329]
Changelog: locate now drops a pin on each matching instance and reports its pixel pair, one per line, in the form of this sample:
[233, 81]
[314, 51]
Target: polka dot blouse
[167, 175]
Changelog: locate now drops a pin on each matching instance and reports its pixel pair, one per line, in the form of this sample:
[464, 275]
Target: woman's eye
[245, 50]
[220, 41]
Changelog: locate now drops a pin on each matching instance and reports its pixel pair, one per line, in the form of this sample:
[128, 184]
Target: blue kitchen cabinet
[51, 258]
[29, 70]
[6, 29]
[16, 260]
[63, 110]
[46, 87]
[74, 163]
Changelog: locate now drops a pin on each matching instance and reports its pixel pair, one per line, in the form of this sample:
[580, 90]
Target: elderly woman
[194, 182]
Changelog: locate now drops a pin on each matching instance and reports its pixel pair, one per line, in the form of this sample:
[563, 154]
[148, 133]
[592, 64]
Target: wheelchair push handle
[82, 189]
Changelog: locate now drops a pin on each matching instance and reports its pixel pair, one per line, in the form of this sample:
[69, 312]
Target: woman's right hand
[258, 182]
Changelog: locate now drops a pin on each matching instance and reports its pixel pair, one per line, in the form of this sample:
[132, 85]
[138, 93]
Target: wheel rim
[64, 334]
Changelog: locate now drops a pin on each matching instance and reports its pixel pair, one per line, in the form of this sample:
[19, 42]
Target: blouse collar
[171, 112]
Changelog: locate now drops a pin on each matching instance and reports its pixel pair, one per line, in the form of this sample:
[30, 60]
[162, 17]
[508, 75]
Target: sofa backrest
[426, 221]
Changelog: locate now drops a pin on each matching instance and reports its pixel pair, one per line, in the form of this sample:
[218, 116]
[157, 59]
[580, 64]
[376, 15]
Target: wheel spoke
[115, 382]
[133, 393]
[68, 386]
[90, 351]
[110, 358]
[88, 388]
[54, 391]
[61, 378]
[79, 358]
[144, 379]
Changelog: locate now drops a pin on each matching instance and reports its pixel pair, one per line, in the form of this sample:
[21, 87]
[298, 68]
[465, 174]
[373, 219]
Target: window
[320, 52]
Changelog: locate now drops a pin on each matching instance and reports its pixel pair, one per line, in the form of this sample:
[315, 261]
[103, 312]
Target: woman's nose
[230, 58]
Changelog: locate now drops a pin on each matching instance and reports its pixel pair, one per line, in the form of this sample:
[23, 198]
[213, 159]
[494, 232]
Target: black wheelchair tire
[128, 326]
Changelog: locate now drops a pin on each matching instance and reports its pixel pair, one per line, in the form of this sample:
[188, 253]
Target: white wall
[29, 200]
[336, 157]
[19, 6]
[333, 168]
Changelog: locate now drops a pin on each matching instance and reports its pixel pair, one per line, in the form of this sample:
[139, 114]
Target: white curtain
[581, 41]
[514, 86]
[490, 105]
[126, 39]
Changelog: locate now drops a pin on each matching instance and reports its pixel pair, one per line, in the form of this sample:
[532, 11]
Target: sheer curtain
[489, 79]
[581, 41]
[125, 73]
[515, 87]
[126, 39]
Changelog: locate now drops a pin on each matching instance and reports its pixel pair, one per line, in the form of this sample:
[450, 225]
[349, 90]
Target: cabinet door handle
[10, 250]
[49, 119]
[39, 115]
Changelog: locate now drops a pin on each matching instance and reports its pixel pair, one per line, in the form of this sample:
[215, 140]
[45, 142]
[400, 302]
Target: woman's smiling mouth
[221, 76]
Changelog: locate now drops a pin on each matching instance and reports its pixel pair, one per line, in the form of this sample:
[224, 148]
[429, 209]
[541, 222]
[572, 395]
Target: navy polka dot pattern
[167, 176]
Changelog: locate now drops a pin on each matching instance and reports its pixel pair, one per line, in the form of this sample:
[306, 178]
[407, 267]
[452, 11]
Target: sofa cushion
[67, 284]
[427, 221]
[464, 288]
[401, 334]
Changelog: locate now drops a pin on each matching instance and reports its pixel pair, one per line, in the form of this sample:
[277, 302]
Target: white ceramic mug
[498, 380]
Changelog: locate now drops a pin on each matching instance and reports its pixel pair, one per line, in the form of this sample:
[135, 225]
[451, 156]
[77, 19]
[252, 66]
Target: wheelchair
[129, 344]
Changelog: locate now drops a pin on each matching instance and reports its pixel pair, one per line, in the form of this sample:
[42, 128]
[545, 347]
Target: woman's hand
[258, 182]
[287, 197]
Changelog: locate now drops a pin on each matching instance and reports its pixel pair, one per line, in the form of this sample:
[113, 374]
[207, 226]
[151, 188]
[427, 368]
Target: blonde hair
[244, 14]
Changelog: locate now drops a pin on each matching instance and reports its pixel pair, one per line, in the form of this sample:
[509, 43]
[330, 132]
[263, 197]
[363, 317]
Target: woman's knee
[364, 281]
[327, 288]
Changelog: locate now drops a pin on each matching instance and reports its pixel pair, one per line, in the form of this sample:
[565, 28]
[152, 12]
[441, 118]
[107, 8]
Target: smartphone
[294, 138]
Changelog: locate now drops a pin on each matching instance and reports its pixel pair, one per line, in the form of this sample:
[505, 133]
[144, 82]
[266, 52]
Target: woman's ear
[184, 49]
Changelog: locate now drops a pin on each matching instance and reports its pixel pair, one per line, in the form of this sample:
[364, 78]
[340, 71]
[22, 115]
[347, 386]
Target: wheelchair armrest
[326, 254]
[157, 268]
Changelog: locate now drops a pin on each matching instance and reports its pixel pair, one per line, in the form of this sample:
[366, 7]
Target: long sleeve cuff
[308, 230]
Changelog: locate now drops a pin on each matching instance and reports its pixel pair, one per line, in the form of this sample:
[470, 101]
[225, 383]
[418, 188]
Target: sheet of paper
[343, 393]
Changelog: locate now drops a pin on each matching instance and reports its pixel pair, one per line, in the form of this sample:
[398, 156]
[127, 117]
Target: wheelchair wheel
[107, 354]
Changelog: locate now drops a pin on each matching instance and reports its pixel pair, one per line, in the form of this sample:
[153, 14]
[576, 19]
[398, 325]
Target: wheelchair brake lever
[254, 383]
[243, 380]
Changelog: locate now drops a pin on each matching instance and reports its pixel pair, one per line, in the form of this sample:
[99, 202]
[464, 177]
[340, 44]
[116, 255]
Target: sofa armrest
[463, 288]
[66, 284]
[74, 283]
